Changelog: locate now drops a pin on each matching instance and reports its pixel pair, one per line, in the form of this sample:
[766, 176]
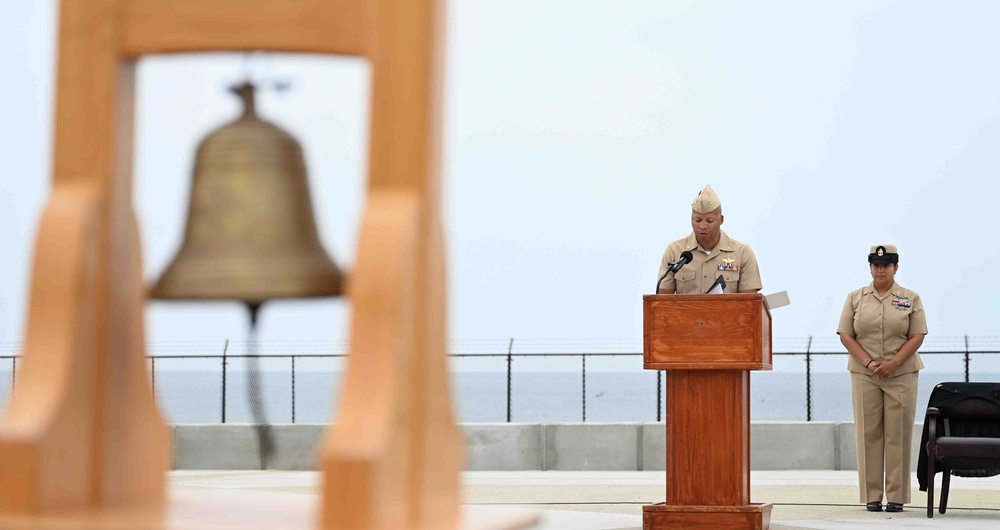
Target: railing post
[293, 389]
[152, 374]
[659, 394]
[225, 348]
[966, 358]
[809, 409]
[13, 373]
[510, 360]
[584, 357]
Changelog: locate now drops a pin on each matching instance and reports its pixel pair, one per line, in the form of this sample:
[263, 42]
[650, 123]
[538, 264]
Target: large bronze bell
[250, 234]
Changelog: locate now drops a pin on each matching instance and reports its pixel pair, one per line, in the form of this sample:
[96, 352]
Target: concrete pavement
[605, 500]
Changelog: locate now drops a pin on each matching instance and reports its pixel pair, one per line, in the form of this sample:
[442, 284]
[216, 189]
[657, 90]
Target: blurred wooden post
[83, 429]
[83, 434]
[707, 344]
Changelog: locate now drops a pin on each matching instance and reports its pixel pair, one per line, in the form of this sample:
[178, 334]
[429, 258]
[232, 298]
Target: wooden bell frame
[83, 433]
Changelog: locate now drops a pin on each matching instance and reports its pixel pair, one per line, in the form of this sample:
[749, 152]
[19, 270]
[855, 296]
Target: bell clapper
[254, 389]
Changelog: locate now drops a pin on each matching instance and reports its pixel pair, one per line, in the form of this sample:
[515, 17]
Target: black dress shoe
[893, 507]
[874, 506]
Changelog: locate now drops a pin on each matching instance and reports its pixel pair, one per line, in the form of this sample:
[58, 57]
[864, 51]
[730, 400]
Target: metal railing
[968, 355]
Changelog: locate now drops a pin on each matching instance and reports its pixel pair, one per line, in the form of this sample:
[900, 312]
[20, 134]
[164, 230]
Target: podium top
[731, 297]
[727, 296]
[706, 332]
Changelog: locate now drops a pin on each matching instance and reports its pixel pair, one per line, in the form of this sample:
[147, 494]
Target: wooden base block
[664, 516]
[244, 510]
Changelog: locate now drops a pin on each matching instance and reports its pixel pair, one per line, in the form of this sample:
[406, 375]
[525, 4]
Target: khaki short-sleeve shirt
[881, 326]
[734, 260]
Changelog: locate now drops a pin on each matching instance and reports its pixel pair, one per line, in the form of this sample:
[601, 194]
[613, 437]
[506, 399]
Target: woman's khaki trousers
[884, 411]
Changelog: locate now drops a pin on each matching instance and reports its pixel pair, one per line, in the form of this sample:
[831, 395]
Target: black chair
[961, 435]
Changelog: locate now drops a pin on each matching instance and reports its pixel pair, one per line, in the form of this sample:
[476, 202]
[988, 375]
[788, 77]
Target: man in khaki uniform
[882, 326]
[714, 252]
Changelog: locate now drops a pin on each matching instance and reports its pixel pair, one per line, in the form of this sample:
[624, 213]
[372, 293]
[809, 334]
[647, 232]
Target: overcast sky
[577, 134]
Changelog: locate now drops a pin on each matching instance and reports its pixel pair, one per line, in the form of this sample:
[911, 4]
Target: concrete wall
[533, 446]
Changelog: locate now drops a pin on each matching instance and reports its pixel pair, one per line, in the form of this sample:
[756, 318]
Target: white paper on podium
[776, 300]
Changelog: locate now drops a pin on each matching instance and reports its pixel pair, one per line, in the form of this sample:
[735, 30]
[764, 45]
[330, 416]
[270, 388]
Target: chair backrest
[967, 409]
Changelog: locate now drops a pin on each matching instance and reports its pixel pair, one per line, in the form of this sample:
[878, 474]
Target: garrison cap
[706, 201]
[883, 255]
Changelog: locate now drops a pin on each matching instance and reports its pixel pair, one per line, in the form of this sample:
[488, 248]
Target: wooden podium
[708, 344]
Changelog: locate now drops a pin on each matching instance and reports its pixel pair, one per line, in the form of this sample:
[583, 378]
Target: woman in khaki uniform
[882, 326]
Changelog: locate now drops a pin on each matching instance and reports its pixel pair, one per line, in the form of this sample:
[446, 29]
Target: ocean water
[195, 396]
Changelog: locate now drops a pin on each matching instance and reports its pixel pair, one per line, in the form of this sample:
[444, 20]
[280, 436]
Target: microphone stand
[673, 266]
[658, 282]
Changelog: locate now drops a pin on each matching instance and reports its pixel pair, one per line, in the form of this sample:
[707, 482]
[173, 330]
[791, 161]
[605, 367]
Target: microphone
[675, 266]
[685, 258]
